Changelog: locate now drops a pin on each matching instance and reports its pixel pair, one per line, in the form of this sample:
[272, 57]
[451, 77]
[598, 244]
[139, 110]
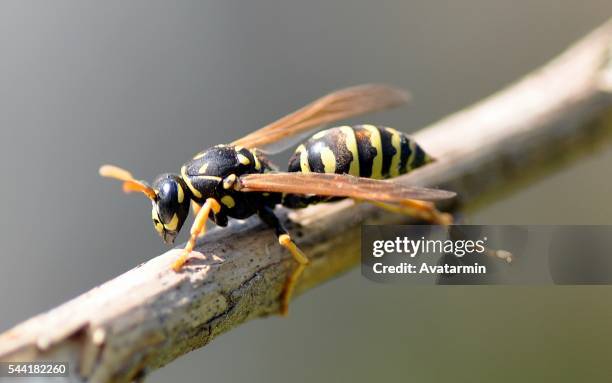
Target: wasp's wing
[338, 105]
[339, 185]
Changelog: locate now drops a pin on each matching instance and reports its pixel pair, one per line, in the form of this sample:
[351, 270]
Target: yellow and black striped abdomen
[361, 150]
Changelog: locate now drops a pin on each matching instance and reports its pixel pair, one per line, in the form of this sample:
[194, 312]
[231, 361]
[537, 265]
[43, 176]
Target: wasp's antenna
[129, 183]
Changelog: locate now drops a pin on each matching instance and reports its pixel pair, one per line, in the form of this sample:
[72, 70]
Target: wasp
[238, 181]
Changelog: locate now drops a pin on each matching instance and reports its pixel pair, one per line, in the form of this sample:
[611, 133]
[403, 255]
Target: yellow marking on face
[173, 224]
[396, 141]
[321, 134]
[304, 165]
[181, 194]
[199, 155]
[228, 201]
[159, 227]
[266, 194]
[412, 146]
[257, 162]
[329, 159]
[376, 142]
[351, 145]
[203, 168]
[243, 159]
[195, 191]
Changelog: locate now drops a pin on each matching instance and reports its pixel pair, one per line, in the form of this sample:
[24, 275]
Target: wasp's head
[170, 206]
[169, 195]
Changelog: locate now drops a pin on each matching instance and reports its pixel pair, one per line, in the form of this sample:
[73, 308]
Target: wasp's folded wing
[340, 185]
[338, 105]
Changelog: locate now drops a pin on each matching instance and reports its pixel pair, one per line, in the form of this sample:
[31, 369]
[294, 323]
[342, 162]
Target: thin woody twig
[150, 315]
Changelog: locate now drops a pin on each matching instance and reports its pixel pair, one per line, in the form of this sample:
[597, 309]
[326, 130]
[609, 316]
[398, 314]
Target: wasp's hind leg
[197, 229]
[418, 209]
[284, 239]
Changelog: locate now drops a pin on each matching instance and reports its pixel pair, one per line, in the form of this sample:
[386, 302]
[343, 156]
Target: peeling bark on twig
[150, 315]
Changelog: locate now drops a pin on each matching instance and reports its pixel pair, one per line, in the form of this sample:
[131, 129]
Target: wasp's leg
[419, 209]
[198, 227]
[267, 215]
[196, 208]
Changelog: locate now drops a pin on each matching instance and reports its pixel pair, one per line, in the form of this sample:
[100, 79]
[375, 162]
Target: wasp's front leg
[198, 228]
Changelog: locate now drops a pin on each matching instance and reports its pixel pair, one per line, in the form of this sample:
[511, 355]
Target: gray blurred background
[146, 84]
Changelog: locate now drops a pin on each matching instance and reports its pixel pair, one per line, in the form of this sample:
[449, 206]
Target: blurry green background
[145, 84]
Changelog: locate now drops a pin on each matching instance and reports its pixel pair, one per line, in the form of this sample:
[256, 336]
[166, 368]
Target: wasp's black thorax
[206, 172]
